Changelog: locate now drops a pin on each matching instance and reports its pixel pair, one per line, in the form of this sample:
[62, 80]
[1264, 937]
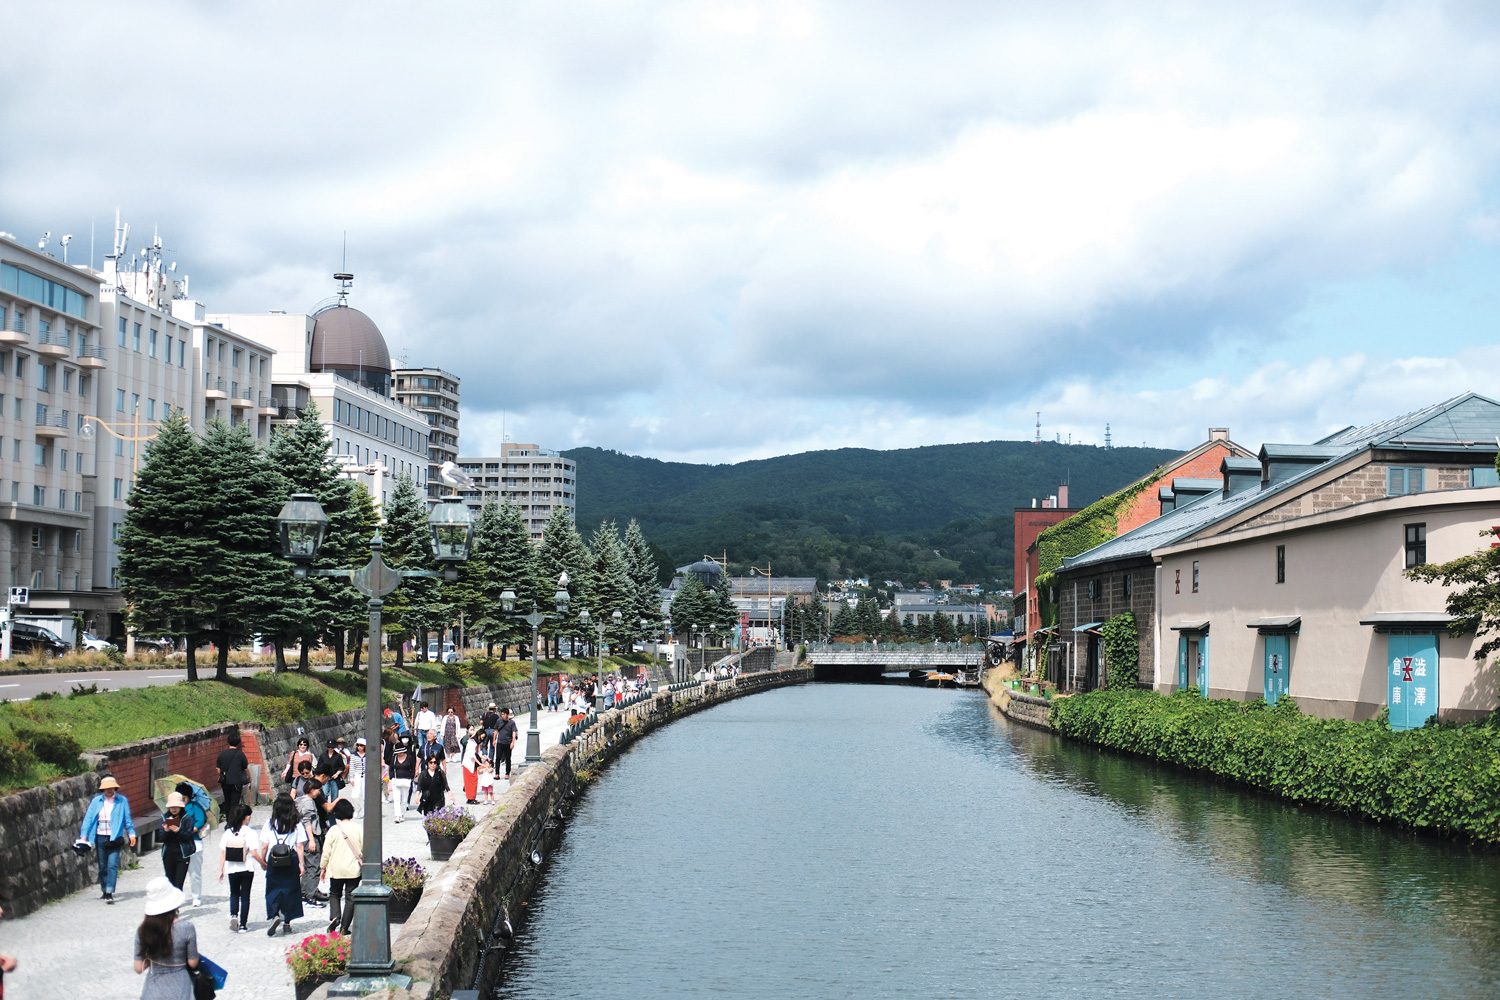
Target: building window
[41, 454]
[38, 495]
[63, 465]
[67, 380]
[169, 350]
[150, 409]
[151, 349]
[1401, 480]
[1484, 475]
[120, 400]
[135, 402]
[36, 579]
[1093, 590]
[20, 367]
[1416, 545]
[1195, 576]
[36, 537]
[1125, 585]
[62, 504]
[119, 489]
[78, 504]
[135, 337]
[1281, 564]
[234, 357]
[122, 331]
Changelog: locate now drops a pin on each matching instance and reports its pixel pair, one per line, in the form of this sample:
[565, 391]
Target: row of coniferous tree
[200, 558]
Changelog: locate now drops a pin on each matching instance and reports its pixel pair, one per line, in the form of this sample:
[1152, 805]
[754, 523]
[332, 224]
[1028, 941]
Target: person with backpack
[238, 847]
[197, 808]
[281, 844]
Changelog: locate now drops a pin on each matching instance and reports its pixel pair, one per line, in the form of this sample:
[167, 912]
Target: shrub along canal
[838, 840]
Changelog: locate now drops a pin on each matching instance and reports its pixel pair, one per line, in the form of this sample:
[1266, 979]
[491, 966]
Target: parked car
[161, 645]
[25, 637]
[450, 652]
[94, 644]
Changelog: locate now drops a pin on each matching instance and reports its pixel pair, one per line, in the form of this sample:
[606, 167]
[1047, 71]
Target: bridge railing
[893, 647]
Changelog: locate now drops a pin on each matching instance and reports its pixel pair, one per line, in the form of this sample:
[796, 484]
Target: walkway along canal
[875, 841]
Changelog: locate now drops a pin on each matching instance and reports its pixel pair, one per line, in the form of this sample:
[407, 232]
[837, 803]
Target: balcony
[90, 357]
[53, 345]
[240, 397]
[215, 388]
[17, 332]
[51, 423]
[267, 406]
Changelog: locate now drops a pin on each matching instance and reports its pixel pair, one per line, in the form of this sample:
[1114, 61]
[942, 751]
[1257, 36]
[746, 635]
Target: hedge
[1444, 778]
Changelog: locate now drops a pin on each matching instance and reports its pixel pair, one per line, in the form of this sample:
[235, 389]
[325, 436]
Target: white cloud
[738, 228]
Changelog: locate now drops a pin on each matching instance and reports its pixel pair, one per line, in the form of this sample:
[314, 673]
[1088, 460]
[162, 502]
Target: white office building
[534, 479]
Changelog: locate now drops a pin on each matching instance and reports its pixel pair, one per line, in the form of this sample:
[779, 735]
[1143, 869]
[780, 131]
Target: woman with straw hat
[179, 839]
[107, 826]
[166, 946]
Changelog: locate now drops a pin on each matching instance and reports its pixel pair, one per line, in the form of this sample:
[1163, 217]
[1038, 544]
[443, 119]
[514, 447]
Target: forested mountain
[942, 511]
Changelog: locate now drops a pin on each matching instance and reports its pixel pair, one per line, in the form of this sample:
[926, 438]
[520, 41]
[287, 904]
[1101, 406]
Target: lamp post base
[370, 957]
[533, 746]
[360, 986]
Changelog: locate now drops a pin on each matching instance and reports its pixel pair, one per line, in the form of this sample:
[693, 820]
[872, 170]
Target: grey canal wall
[450, 942]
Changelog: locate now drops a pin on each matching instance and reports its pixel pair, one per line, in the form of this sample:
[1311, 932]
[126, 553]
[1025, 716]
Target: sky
[718, 231]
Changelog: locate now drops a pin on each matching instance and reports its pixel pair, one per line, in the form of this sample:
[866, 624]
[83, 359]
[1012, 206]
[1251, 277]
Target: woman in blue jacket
[108, 826]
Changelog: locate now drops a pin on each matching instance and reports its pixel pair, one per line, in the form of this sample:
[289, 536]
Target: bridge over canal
[867, 661]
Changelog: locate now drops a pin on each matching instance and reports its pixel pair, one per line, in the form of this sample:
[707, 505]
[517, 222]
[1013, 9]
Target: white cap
[361, 742]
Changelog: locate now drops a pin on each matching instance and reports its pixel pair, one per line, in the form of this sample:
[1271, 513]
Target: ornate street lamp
[303, 526]
[535, 619]
[600, 628]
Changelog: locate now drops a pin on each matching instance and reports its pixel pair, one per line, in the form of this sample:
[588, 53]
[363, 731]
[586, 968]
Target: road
[23, 687]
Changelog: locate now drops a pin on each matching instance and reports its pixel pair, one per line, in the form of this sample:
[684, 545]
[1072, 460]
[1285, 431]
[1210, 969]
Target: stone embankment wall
[38, 826]
[1014, 705]
[443, 945]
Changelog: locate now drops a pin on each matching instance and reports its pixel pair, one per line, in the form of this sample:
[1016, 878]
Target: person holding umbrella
[108, 827]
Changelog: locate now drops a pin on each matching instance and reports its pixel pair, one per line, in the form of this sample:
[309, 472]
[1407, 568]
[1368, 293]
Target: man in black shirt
[505, 740]
[234, 774]
[491, 720]
[333, 761]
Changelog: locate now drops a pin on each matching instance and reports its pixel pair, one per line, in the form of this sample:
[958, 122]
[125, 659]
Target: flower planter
[401, 906]
[442, 845]
[305, 987]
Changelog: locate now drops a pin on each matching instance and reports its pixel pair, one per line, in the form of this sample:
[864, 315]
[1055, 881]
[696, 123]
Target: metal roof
[1385, 620]
[1192, 626]
[1465, 420]
[1281, 623]
[1184, 485]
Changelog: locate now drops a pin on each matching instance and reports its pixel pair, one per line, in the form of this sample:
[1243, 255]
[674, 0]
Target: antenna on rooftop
[346, 282]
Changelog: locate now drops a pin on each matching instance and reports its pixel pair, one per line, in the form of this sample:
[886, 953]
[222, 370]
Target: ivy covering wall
[1122, 652]
[1444, 778]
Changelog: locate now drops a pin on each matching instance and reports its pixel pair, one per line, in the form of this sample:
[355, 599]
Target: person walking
[403, 770]
[234, 772]
[505, 741]
[281, 844]
[358, 761]
[490, 720]
[179, 839]
[164, 945]
[196, 813]
[295, 761]
[332, 762]
[553, 690]
[107, 825]
[433, 784]
[341, 865]
[426, 718]
[309, 814]
[238, 846]
[8, 963]
[471, 766]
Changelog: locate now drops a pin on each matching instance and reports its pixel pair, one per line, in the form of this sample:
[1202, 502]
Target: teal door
[1413, 679]
[1182, 653]
[1203, 664]
[1278, 666]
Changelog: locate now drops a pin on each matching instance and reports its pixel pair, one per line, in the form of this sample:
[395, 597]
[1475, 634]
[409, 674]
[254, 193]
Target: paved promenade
[81, 947]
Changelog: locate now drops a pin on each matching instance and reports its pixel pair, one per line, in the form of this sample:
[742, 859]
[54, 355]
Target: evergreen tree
[943, 629]
[513, 570]
[165, 546]
[611, 588]
[722, 608]
[247, 582]
[415, 606]
[562, 551]
[908, 628]
[691, 607]
[362, 513]
[868, 614]
[891, 627]
[844, 621]
[484, 616]
[641, 567]
[924, 628]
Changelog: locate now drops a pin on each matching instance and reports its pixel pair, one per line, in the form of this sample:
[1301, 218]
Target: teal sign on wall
[1412, 679]
[1203, 664]
[1278, 666]
[1181, 661]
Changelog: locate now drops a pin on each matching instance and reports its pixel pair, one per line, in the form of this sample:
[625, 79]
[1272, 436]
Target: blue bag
[215, 970]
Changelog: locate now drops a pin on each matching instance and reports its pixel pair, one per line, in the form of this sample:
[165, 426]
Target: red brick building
[1200, 463]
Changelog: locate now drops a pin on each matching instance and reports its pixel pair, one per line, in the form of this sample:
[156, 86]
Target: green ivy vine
[1122, 652]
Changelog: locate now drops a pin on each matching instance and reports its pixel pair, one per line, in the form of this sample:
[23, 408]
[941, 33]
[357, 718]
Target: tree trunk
[192, 658]
[303, 650]
[221, 668]
[338, 649]
[279, 652]
[400, 653]
[359, 644]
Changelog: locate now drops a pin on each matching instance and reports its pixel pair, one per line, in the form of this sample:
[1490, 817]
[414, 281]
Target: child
[486, 780]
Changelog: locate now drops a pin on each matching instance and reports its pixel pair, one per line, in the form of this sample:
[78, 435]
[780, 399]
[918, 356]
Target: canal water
[870, 841]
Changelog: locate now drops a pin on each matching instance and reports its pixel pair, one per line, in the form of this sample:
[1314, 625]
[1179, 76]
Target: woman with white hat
[108, 827]
[165, 945]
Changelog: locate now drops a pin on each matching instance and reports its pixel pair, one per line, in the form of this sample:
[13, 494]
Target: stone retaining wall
[1014, 705]
[490, 876]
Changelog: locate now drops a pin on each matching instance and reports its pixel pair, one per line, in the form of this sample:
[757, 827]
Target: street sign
[20, 595]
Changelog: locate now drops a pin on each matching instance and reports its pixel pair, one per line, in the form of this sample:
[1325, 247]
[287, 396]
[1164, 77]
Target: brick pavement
[81, 947]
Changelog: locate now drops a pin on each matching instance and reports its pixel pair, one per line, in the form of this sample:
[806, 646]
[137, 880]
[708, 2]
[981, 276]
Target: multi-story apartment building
[535, 479]
[336, 359]
[49, 358]
[433, 393]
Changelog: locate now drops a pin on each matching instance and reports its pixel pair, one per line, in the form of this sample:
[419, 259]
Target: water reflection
[884, 841]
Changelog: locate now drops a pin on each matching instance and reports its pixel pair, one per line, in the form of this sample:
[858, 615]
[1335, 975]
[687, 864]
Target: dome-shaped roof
[345, 338]
[706, 570]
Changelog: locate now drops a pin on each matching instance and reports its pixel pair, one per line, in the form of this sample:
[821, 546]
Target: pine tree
[725, 615]
[562, 551]
[247, 582]
[924, 628]
[868, 613]
[611, 588]
[412, 608]
[942, 628]
[690, 607]
[513, 570]
[367, 518]
[165, 546]
[484, 621]
[844, 621]
[641, 567]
